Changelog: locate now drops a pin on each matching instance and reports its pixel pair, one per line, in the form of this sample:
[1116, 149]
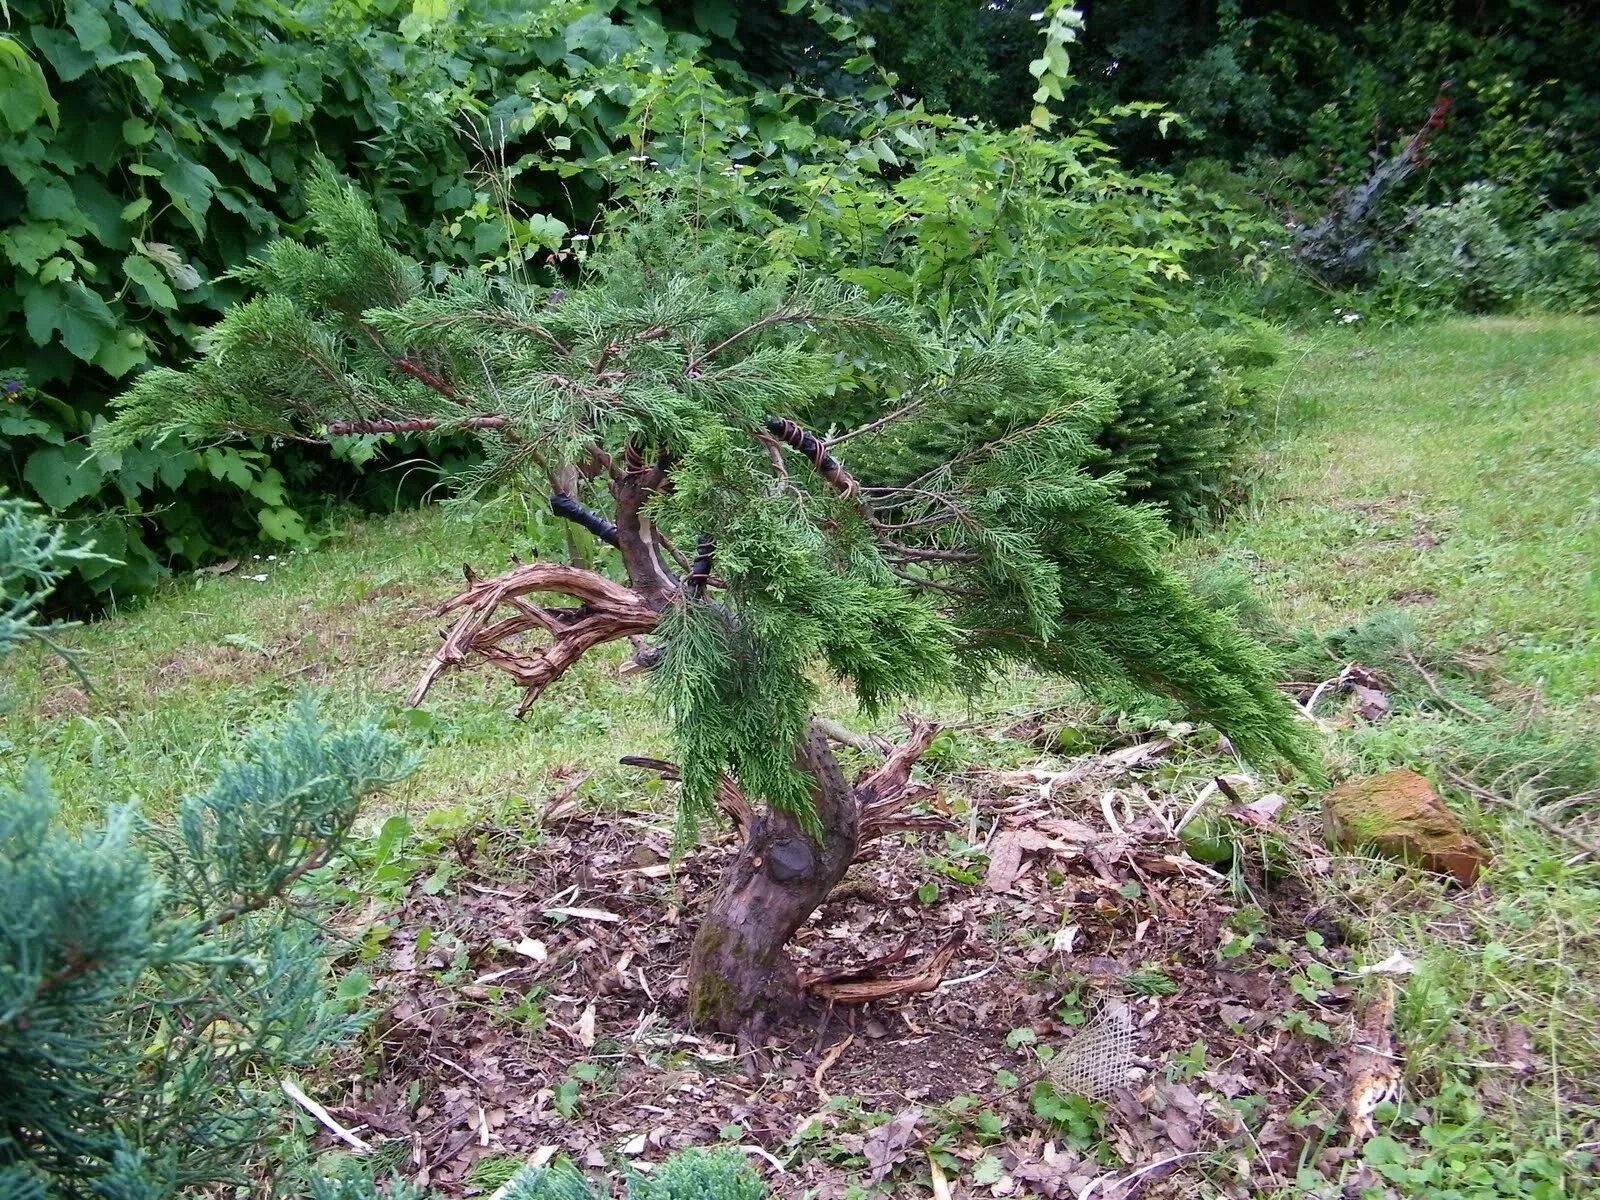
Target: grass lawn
[1450, 472]
[1453, 469]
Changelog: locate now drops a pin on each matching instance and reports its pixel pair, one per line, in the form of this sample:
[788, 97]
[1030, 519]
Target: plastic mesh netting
[1096, 1061]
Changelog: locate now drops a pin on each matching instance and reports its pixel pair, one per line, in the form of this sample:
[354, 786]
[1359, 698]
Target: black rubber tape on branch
[565, 507]
[802, 440]
[700, 569]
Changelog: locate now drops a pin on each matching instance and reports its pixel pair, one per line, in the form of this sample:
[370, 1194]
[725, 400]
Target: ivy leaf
[190, 185]
[24, 94]
[71, 310]
[61, 476]
[149, 277]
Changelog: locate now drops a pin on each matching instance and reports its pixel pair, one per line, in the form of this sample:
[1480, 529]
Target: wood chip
[582, 914]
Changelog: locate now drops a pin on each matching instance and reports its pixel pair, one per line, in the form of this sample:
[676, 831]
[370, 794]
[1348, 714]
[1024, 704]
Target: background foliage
[151, 148]
[155, 147]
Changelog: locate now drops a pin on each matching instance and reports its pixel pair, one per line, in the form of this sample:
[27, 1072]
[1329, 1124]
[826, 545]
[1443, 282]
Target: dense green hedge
[148, 149]
[155, 147]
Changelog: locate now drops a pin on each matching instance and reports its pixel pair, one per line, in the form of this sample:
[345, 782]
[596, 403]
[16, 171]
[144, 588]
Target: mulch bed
[533, 1006]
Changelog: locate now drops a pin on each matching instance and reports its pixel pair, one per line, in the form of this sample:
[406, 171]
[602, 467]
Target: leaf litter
[533, 1006]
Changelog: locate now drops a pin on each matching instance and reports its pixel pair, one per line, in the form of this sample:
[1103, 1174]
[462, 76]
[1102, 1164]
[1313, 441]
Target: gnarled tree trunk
[738, 970]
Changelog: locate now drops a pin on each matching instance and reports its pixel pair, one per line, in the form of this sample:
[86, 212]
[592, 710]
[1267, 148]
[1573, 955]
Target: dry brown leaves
[534, 1006]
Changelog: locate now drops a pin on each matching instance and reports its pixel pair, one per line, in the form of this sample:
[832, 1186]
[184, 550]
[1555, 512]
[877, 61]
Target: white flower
[257, 578]
[1350, 316]
[272, 558]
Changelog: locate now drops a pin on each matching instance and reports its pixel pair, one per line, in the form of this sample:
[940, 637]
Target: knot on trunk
[789, 859]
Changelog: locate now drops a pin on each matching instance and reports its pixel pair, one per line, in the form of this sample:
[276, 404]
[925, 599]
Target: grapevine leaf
[149, 277]
[24, 94]
[81, 318]
[61, 475]
[62, 51]
[190, 185]
[29, 244]
[93, 30]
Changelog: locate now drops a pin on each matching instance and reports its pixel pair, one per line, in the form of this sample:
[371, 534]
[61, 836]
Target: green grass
[1452, 472]
[1453, 468]
[178, 680]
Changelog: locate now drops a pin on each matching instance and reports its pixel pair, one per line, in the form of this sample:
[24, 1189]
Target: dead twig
[1589, 849]
[323, 1117]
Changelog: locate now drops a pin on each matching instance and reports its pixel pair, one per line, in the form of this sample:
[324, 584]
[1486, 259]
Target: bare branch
[415, 425]
[904, 410]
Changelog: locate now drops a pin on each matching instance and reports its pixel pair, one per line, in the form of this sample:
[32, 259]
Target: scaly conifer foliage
[662, 407]
[153, 984]
[678, 359]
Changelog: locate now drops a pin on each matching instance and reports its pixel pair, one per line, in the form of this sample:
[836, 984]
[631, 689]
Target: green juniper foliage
[1168, 413]
[688, 1175]
[33, 558]
[676, 350]
[152, 985]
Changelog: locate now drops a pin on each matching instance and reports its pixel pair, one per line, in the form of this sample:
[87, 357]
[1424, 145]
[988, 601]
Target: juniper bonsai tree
[661, 406]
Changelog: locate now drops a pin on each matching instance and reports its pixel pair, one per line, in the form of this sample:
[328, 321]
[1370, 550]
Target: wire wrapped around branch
[568, 509]
[803, 441]
[700, 569]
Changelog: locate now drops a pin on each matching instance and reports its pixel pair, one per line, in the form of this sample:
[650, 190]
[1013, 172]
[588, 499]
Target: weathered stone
[1399, 815]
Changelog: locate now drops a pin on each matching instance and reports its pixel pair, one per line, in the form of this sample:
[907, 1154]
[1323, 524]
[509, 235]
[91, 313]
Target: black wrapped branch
[565, 507]
[700, 569]
[803, 441]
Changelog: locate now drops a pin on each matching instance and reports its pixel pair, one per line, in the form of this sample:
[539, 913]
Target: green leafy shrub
[1459, 256]
[149, 148]
[1563, 253]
